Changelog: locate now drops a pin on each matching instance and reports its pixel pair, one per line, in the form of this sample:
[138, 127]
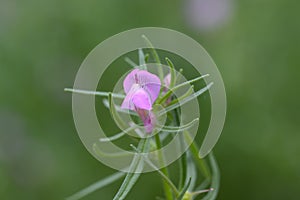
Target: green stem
[167, 180]
[183, 158]
[183, 170]
[164, 170]
[202, 165]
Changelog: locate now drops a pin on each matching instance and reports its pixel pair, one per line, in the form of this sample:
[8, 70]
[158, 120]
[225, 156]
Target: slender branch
[96, 93]
[183, 158]
[173, 187]
[164, 170]
[200, 162]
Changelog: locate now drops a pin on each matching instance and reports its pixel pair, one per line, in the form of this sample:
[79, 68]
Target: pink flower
[142, 89]
[148, 119]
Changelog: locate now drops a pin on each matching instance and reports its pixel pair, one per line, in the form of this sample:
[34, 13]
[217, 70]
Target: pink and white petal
[153, 90]
[145, 77]
[129, 80]
[141, 99]
[150, 82]
[127, 103]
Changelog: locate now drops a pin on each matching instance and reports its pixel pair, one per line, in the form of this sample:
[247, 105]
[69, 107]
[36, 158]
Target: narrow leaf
[101, 153]
[215, 182]
[130, 62]
[142, 64]
[97, 93]
[118, 108]
[172, 72]
[183, 170]
[167, 180]
[201, 163]
[183, 191]
[113, 138]
[171, 90]
[203, 185]
[115, 115]
[179, 75]
[172, 129]
[201, 192]
[161, 159]
[185, 95]
[156, 58]
[189, 98]
[119, 135]
[147, 57]
[96, 186]
[191, 172]
[136, 166]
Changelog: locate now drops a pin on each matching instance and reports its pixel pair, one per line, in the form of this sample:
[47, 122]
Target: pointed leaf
[118, 108]
[97, 93]
[191, 172]
[183, 170]
[172, 72]
[215, 182]
[156, 58]
[115, 115]
[171, 90]
[203, 185]
[101, 153]
[147, 57]
[185, 95]
[161, 159]
[183, 191]
[136, 166]
[142, 64]
[119, 135]
[172, 129]
[189, 98]
[130, 62]
[200, 163]
[167, 180]
[113, 138]
[96, 186]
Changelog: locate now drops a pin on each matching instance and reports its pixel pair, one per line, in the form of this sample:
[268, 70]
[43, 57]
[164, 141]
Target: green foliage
[188, 174]
[215, 180]
[96, 186]
[137, 167]
[44, 42]
[184, 190]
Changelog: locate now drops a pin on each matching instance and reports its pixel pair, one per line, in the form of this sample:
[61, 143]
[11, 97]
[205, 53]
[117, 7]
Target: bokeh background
[254, 43]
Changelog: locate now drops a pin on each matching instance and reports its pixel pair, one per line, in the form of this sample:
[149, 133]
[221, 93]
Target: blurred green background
[42, 44]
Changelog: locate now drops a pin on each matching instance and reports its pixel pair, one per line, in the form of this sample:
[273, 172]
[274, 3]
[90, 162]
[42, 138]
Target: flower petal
[142, 89]
[150, 82]
[127, 102]
[141, 99]
[130, 80]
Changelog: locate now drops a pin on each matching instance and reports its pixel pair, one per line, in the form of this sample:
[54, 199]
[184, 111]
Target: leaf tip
[67, 90]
